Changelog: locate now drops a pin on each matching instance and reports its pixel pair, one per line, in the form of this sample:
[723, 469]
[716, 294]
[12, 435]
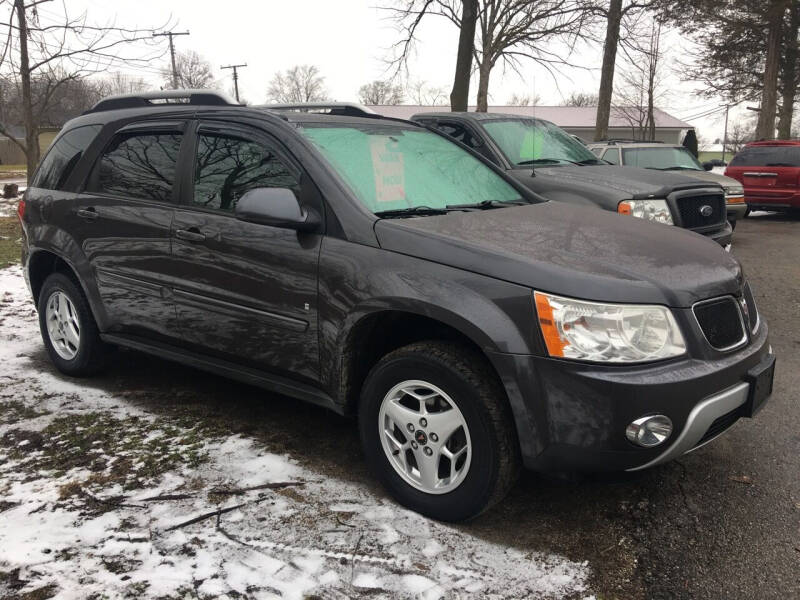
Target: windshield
[767, 156]
[666, 158]
[394, 168]
[532, 141]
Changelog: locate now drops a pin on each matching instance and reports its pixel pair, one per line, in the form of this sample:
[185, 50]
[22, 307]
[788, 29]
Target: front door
[123, 219]
[247, 292]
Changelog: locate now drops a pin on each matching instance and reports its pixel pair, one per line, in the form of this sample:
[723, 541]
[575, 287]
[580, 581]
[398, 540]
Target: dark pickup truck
[551, 162]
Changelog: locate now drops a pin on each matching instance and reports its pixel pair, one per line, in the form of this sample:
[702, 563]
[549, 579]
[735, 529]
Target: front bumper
[736, 211]
[723, 236]
[572, 416]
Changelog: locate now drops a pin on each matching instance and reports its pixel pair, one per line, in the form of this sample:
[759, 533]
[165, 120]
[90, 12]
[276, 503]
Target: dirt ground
[722, 522]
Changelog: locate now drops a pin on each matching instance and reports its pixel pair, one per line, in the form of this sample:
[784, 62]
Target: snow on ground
[96, 495]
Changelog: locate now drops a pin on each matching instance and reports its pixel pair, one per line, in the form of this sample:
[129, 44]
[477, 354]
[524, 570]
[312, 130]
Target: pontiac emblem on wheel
[706, 210]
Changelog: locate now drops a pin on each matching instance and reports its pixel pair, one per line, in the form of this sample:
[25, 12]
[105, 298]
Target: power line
[171, 35]
[235, 77]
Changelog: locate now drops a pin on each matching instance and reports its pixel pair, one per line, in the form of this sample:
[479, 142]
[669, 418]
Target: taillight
[21, 209]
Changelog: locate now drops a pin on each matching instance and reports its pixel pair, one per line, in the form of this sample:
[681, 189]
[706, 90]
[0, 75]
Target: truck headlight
[652, 210]
[617, 333]
[734, 195]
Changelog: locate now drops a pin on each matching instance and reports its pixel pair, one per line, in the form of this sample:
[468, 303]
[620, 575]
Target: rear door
[123, 218]
[247, 292]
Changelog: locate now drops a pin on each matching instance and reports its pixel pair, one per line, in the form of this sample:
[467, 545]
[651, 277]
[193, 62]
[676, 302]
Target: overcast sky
[349, 41]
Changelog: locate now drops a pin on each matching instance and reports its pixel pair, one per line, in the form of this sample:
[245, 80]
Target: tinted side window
[458, 132]
[612, 156]
[767, 156]
[62, 157]
[138, 165]
[227, 167]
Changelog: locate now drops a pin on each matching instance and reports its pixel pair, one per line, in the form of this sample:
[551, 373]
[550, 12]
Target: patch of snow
[324, 536]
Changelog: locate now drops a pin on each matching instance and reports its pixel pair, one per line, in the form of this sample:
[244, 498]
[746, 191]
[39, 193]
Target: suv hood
[630, 182]
[578, 252]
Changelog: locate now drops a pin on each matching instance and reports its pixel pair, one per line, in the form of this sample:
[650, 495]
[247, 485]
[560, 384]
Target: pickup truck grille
[692, 208]
[721, 322]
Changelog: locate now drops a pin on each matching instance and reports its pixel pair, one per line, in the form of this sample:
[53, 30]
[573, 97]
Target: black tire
[746, 213]
[467, 378]
[733, 225]
[92, 355]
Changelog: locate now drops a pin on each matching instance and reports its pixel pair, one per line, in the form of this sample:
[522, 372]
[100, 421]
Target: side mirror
[708, 166]
[277, 207]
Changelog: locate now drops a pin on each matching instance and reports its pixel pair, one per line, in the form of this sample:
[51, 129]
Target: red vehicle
[770, 174]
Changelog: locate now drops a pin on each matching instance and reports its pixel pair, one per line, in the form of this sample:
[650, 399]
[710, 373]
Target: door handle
[90, 214]
[190, 235]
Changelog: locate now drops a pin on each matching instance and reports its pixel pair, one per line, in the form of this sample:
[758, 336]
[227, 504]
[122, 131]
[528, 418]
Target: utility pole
[170, 35]
[725, 135]
[235, 77]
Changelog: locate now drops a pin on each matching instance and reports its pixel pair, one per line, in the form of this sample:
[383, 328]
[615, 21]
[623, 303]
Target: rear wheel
[437, 430]
[68, 328]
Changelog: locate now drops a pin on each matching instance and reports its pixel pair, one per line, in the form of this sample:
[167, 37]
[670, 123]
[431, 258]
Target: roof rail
[344, 109]
[613, 141]
[163, 97]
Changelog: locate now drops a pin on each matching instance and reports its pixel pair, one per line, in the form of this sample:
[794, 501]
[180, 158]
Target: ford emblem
[706, 210]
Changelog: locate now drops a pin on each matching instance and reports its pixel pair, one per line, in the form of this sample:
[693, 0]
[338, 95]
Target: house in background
[11, 154]
[624, 123]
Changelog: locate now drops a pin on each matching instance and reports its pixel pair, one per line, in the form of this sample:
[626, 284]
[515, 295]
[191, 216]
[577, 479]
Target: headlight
[734, 195]
[652, 210]
[618, 333]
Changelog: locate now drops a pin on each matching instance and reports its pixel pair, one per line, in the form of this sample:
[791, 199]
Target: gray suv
[378, 269]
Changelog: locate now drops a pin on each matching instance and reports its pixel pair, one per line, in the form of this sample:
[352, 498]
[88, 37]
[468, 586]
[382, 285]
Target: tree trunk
[765, 129]
[789, 73]
[459, 97]
[31, 128]
[483, 85]
[607, 71]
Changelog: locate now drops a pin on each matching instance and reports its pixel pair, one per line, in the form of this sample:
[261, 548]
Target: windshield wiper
[539, 161]
[410, 212]
[484, 204]
[592, 161]
[678, 168]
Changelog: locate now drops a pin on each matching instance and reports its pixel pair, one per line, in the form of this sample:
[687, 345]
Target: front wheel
[437, 430]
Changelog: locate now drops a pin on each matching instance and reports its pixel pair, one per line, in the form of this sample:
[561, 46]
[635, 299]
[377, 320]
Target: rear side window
[227, 167]
[138, 165]
[612, 156]
[62, 157]
[767, 156]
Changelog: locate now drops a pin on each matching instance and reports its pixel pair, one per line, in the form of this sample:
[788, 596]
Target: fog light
[649, 431]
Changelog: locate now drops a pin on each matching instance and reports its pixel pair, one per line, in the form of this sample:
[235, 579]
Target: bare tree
[580, 99]
[614, 15]
[524, 99]
[380, 93]
[765, 128]
[642, 80]
[191, 71]
[509, 31]
[301, 83]
[426, 95]
[739, 134]
[459, 95]
[121, 83]
[43, 56]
